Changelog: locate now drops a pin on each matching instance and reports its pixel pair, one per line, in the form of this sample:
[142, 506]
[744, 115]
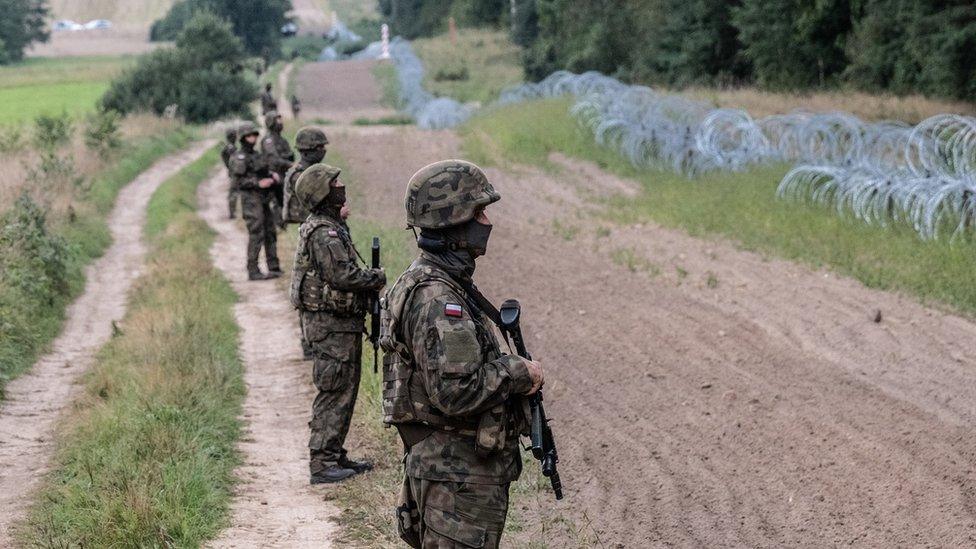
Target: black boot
[358, 466]
[331, 475]
[257, 275]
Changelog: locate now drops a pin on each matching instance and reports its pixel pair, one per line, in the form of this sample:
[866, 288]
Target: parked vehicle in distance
[98, 24]
[66, 25]
[289, 29]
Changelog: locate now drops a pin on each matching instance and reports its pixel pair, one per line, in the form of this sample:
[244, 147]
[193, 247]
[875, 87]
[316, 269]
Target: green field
[476, 68]
[739, 206]
[49, 86]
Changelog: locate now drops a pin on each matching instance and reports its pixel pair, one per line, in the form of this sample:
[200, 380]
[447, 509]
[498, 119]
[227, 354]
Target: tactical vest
[309, 292]
[405, 399]
[293, 210]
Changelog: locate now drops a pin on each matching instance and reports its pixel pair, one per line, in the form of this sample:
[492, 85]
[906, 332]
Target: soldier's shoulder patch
[332, 232]
[240, 156]
[268, 141]
[453, 310]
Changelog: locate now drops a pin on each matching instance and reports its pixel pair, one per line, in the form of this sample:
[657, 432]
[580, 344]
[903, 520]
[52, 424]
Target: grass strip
[739, 206]
[146, 458]
[32, 305]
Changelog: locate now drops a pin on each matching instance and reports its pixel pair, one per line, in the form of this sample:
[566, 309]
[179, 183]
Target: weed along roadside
[33, 292]
[145, 459]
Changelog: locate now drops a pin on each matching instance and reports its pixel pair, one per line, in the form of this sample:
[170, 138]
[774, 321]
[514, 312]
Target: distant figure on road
[447, 387]
[296, 106]
[331, 290]
[268, 102]
[254, 179]
[230, 148]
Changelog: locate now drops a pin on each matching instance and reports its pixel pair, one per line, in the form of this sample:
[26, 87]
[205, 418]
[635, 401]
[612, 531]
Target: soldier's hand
[535, 372]
[266, 182]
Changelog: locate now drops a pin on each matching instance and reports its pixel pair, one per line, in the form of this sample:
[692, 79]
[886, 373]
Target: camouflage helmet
[314, 185]
[269, 118]
[231, 134]
[309, 138]
[246, 129]
[447, 193]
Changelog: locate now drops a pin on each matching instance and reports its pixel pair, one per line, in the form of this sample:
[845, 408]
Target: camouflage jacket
[293, 210]
[444, 369]
[327, 280]
[227, 152]
[268, 102]
[278, 151]
[247, 167]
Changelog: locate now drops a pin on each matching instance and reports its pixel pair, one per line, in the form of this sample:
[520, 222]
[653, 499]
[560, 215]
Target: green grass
[395, 120]
[386, 75]
[54, 85]
[477, 68]
[32, 312]
[147, 456]
[738, 206]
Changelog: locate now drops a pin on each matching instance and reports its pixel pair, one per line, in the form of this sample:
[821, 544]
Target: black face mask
[277, 127]
[477, 238]
[314, 156]
[337, 197]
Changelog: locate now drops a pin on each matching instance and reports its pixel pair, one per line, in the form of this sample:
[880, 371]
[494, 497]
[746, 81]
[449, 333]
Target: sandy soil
[36, 399]
[274, 506]
[704, 396]
[340, 92]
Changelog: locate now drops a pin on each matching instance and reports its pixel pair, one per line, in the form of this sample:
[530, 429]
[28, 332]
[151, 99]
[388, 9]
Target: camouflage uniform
[268, 102]
[280, 158]
[329, 289]
[248, 167]
[226, 154]
[311, 146]
[447, 387]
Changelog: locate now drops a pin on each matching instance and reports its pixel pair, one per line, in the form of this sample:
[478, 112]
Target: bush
[201, 76]
[52, 131]
[102, 132]
[256, 22]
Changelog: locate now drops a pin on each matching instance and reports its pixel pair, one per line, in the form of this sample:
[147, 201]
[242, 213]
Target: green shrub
[102, 132]
[52, 131]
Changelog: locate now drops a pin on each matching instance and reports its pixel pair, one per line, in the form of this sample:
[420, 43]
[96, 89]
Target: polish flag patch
[454, 310]
[333, 233]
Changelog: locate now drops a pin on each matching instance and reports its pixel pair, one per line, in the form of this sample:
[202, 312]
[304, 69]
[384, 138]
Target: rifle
[543, 445]
[374, 312]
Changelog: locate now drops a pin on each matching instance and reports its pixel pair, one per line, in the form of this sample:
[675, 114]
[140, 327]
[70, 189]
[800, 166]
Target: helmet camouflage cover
[231, 133]
[246, 129]
[309, 138]
[313, 186]
[269, 118]
[447, 193]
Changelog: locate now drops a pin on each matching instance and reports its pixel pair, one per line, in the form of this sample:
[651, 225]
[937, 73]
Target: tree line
[898, 46]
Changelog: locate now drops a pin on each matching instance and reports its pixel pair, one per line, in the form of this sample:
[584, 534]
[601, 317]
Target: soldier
[310, 143]
[280, 158]
[454, 397]
[254, 179]
[330, 290]
[226, 154]
[268, 102]
[296, 106]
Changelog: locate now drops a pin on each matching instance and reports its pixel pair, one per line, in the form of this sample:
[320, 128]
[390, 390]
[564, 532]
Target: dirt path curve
[705, 396]
[274, 505]
[284, 102]
[36, 399]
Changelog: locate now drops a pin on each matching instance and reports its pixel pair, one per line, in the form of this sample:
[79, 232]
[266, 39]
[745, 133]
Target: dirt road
[36, 399]
[704, 396]
[274, 505]
[340, 92]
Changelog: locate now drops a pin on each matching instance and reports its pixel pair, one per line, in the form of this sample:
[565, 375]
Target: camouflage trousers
[260, 230]
[435, 514]
[336, 373]
[233, 194]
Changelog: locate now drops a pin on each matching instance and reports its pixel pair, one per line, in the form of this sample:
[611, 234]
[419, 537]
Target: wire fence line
[877, 172]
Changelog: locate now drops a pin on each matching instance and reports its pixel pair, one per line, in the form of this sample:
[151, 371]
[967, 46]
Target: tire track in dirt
[274, 506]
[36, 399]
[728, 400]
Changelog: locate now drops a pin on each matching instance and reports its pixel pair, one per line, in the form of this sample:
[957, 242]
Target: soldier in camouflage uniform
[251, 174]
[280, 158]
[268, 102]
[452, 394]
[310, 143]
[331, 290]
[226, 154]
